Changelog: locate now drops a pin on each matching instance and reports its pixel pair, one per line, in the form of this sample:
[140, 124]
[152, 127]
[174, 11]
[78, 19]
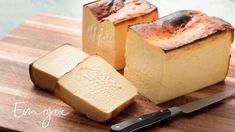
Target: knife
[137, 123]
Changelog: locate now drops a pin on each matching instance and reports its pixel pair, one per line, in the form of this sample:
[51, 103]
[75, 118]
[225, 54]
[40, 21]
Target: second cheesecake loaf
[105, 25]
[178, 54]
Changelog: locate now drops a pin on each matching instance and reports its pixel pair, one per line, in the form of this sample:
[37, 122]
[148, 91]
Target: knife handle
[141, 121]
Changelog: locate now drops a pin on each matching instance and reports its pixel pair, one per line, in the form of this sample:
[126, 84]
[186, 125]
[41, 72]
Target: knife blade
[142, 121]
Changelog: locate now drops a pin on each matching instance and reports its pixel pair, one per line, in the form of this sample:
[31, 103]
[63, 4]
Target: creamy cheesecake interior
[95, 89]
[105, 25]
[48, 69]
[178, 54]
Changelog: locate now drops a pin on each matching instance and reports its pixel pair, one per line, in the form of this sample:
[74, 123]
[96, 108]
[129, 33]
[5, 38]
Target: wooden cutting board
[18, 96]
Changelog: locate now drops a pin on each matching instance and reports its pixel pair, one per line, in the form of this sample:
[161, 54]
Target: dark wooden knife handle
[141, 121]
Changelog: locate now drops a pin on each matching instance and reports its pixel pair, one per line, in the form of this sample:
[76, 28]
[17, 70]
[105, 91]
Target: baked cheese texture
[95, 89]
[45, 71]
[105, 25]
[178, 54]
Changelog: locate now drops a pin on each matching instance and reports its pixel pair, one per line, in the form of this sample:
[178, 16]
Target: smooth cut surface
[46, 70]
[96, 89]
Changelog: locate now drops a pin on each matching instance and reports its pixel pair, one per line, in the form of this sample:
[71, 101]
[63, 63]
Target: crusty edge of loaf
[201, 39]
[232, 40]
[31, 73]
[227, 68]
[117, 22]
[121, 22]
[221, 26]
[231, 30]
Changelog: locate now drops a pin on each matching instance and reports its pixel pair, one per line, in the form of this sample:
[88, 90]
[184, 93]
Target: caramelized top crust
[119, 10]
[180, 28]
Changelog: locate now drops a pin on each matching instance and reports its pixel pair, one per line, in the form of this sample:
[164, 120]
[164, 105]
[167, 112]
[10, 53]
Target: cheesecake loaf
[105, 25]
[45, 71]
[178, 54]
[95, 89]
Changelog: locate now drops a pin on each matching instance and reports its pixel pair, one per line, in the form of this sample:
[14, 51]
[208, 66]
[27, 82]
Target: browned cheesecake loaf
[178, 54]
[105, 25]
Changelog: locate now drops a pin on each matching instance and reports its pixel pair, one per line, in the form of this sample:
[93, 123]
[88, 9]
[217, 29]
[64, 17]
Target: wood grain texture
[42, 33]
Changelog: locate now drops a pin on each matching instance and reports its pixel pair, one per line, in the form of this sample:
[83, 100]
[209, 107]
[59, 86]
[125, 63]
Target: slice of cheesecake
[45, 71]
[105, 25]
[95, 89]
[178, 54]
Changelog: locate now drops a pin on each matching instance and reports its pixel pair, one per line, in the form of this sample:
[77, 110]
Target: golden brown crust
[181, 28]
[57, 89]
[227, 70]
[232, 32]
[31, 73]
[118, 11]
